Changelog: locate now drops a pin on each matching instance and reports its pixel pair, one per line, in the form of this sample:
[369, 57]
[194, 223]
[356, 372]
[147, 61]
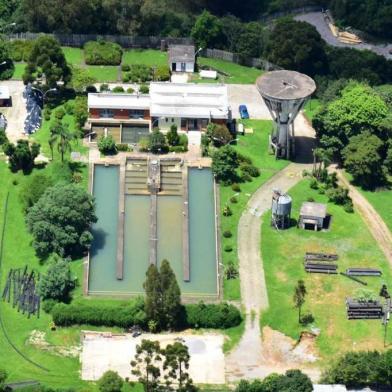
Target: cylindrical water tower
[281, 210]
[284, 93]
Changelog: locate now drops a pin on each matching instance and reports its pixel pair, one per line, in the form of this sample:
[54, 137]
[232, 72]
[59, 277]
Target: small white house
[182, 58]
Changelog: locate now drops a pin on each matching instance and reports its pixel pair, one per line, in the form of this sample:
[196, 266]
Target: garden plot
[106, 351]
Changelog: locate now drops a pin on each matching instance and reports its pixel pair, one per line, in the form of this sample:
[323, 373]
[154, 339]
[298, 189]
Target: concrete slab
[106, 351]
[248, 95]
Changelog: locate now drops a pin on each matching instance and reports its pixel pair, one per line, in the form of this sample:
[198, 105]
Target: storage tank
[281, 210]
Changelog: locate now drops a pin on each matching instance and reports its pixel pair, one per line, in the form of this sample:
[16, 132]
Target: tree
[157, 142]
[299, 297]
[146, 365]
[80, 111]
[61, 219]
[34, 188]
[60, 135]
[363, 160]
[250, 42]
[57, 282]
[47, 58]
[297, 46]
[171, 297]
[176, 365]
[22, 155]
[218, 134]
[81, 79]
[7, 65]
[110, 381]
[172, 136]
[224, 164]
[153, 298]
[359, 109]
[206, 30]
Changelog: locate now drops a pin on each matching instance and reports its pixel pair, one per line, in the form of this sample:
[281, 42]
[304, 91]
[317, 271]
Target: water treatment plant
[150, 209]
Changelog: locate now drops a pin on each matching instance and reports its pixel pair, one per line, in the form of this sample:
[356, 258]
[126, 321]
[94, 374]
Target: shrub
[227, 234]
[48, 305]
[177, 149]
[224, 164]
[122, 315]
[245, 177]
[253, 171]
[231, 271]
[22, 155]
[130, 90]
[125, 78]
[59, 113]
[104, 87]
[228, 248]
[91, 89]
[313, 184]
[125, 68]
[110, 382]
[338, 195]
[218, 134]
[20, 50]
[77, 178]
[118, 89]
[3, 137]
[348, 207]
[242, 159]
[233, 200]
[310, 199]
[102, 53]
[144, 143]
[144, 89]
[227, 211]
[80, 111]
[172, 136]
[236, 187]
[157, 143]
[184, 141]
[107, 145]
[122, 147]
[219, 316]
[162, 73]
[140, 73]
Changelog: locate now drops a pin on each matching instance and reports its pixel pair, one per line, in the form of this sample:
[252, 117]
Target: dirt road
[373, 220]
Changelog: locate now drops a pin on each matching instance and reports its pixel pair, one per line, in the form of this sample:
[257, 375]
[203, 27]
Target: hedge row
[100, 315]
[102, 53]
[219, 316]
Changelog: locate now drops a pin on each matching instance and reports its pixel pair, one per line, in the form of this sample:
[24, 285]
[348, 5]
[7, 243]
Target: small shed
[312, 214]
[5, 98]
[182, 58]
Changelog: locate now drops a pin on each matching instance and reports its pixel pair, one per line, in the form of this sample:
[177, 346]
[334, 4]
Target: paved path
[373, 220]
[317, 20]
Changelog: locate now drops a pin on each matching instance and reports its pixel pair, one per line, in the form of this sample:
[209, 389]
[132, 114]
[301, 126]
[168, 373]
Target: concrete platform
[104, 351]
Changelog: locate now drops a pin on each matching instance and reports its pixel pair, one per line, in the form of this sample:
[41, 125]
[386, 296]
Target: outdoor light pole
[43, 93]
[6, 26]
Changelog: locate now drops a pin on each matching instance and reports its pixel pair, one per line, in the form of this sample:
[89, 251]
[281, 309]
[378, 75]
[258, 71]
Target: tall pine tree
[152, 302]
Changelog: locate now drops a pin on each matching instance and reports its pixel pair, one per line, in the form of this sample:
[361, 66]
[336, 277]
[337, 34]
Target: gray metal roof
[285, 85]
[317, 210]
[181, 53]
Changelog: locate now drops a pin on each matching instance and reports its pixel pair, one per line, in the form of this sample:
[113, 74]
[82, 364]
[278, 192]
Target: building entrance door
[183, 67]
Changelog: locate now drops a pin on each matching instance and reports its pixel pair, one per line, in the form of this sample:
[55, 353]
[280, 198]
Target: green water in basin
[202, 247]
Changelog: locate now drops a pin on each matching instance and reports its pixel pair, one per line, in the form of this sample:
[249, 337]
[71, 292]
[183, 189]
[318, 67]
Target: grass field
[19, 71]
[254, 146]
[237, 74]
[73, 56]
[311, 108]
[149, 57]
[283, 254]
[103, 73]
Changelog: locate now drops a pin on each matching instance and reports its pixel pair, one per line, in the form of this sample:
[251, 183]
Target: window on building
[106, 113]
[136, 113]
[183, 123]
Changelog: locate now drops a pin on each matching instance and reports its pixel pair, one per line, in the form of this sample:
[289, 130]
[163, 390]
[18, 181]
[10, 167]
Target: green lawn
[283, 253]
[149, 57]
[237, 74]
[381, 200]
[254, 146]
[312, 107]
[19, 71]
[103, 73]
[73, 56]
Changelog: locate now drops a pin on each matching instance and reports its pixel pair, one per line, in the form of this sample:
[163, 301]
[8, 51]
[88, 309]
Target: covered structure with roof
[312, 215]
[182, 58]
[5, 97]
[128, 117]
